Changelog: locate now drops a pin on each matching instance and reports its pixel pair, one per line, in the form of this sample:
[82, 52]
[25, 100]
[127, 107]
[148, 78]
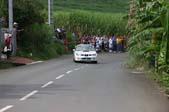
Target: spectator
[8, 45]
[119, 43]
[110, 44]
[114, 43]
[100, 42]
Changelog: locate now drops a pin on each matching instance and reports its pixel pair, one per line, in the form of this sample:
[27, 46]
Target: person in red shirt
[8, 46]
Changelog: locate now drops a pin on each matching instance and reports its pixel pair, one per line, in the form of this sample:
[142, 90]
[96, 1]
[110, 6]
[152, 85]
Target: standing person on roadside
[119, 43]
[8, 45]
[102, 38]
[100, 43]
[94, 41]
[114, 43]
[97, 44]
[123, 44]
[110, 44]
[106, 43]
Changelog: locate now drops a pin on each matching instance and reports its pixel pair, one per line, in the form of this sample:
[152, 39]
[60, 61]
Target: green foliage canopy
[26, 12]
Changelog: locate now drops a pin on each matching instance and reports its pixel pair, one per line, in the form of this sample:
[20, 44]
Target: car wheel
[95, 62]
[74, 60]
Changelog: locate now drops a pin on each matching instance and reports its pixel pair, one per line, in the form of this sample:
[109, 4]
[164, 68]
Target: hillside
[109, 6]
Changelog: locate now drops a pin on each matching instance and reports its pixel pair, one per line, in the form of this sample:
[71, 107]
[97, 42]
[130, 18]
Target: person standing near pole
[7, 49]
[8, 44]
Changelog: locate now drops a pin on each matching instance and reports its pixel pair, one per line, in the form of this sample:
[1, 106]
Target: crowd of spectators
[106, 43]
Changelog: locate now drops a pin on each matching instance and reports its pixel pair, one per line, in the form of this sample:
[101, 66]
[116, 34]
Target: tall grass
[111, 6]
[91, 23]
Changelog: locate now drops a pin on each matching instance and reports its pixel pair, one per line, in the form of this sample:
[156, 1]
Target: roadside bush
[36, 42]
[36, 36]
[5, 65]
[59, 48]
[162, 79]
[71, 41]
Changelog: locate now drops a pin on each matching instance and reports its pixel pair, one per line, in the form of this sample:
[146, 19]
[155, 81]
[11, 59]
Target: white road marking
[6, 108]
[76, 69]
[137, 72]
[60, 76]
[29, 95]
[47, 84]
[68, 72]
[36, 62]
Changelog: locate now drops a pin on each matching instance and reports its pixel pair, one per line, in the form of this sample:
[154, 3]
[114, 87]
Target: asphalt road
[60, 85]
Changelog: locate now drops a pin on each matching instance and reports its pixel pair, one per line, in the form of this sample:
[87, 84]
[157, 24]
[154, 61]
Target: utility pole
[10, 11]
[0, 34]
[50, 12]
[11, 28]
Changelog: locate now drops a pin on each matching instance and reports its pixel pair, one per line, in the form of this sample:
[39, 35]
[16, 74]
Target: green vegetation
[91, 17]
[27, 12]
[35, 41]
[90, 23]
[3, 10]
[161, 79]
[108, 6]
[96, 17]
[149, 30]
[5, 65]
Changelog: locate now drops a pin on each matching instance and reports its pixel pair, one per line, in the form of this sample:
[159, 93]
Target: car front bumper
[85, 59]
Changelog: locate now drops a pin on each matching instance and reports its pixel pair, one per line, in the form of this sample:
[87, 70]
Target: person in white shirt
[110, 44]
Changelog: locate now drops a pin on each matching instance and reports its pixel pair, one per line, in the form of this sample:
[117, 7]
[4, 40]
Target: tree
[3, 7]
[27, 12]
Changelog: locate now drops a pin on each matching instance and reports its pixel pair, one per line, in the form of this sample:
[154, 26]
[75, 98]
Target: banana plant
[151, 33]
[147, 29]
[165, 42]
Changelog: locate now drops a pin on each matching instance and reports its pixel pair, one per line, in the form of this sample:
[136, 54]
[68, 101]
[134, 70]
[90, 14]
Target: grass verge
[162, 79]
[6, 65]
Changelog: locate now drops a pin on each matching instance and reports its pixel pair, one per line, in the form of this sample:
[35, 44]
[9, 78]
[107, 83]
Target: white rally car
[85, 53]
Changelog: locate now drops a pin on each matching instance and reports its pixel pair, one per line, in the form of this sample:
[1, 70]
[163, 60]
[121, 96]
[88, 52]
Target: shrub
[37, 42]
[71, 41]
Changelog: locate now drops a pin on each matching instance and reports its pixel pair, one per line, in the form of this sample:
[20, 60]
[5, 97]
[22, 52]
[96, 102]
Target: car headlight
[77, 54]
[94, 54]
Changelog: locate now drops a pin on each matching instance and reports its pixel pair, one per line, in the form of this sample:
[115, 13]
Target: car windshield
[85, 48]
